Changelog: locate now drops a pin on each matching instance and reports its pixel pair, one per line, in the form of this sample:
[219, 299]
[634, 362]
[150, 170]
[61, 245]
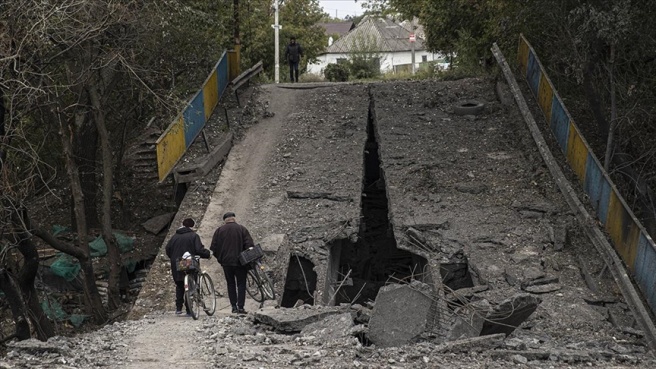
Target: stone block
[293, 319]
[400, 314]
[331, 327]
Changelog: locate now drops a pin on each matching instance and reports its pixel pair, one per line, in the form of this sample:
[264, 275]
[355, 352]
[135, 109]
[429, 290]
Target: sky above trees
[342, 8]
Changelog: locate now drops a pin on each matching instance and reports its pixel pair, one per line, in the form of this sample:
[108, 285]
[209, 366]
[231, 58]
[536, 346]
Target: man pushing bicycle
[184, 240]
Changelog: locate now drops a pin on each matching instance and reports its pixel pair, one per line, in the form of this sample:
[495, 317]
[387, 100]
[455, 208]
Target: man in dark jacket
[184, 240]
[228, 242]
[293, 54]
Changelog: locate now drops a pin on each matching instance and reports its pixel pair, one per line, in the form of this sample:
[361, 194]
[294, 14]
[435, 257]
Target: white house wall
[387, 62]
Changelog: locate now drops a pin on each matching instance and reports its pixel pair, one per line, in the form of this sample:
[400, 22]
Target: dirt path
[161, 344]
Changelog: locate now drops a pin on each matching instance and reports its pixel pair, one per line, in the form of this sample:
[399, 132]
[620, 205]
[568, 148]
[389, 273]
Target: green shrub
[336, 72]
[364, 67]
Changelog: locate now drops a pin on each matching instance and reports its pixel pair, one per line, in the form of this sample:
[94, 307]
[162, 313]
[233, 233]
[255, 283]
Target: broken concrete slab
[157, 224]
[469, 320]
[558, 236]
[509, 314]
[472, 188]
[543, 288]
[330, 328]
[544, 279]
[465, 294]
[317, 195]
[291, 320]
[476, 344]
[271, 243]
[400, 314]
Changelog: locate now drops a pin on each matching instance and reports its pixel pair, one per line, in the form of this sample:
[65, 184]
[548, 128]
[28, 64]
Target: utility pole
[412, 46]
[277, 27]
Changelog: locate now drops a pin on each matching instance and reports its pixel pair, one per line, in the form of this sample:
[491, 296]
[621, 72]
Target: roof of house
[388, 36]
[339, 28]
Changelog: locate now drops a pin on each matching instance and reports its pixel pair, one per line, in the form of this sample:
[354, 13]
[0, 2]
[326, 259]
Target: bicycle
[258, 284]
[199, 291]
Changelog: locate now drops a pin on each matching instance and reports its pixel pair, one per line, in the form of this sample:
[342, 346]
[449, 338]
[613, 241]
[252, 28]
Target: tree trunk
[16, 304]
[113, 253]
[94, 302]
[235, 9]
[610, 141]
[594, 101]
[3, 131]
[27, 275]
[85, 149]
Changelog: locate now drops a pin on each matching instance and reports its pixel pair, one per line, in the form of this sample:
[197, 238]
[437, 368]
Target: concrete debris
[157, 224]
[294, 319]
[469, 320]
[270, 244]
[476, 344]
[559, 237]
[544, 288]
[331, 327]
[471, 187]
[464, 294]
[542, 206]
[509, 314]
[400, 314]
[317, 195]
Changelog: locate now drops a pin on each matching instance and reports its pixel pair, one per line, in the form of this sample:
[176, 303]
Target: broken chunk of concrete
[544, 288]
[472, 188]
[400, 314]
[469, 320]
[509, 314]
[293, 319]
[540, 281]
[330, 328]
[271, 243]
[476, 344]
[317, 195]
[558, 236]
[157, 224]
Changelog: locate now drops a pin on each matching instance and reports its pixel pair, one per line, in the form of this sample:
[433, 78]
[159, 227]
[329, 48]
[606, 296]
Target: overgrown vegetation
[337, 72]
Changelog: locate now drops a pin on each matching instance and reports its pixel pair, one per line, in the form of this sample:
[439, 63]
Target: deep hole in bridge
[300, 283]
[357, 270]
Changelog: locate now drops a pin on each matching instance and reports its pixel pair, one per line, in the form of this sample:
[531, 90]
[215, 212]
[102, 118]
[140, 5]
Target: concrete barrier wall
[182, 132]
[630, 240]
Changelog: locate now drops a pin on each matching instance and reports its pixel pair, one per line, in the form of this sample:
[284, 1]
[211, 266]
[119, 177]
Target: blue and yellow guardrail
[630, 239]
[184, 129]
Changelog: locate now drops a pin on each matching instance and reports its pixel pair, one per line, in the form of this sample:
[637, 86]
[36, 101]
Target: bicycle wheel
[191, 294]
[207, 294]
[265, 284]
[253, 286]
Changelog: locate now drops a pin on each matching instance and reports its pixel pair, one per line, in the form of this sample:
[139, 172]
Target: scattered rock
[509, 314]
[157, 224]
[471, 187]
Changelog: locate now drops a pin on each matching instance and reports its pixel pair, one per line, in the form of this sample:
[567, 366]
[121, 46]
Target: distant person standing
[228, 242]
[184, 240]
[293, 54]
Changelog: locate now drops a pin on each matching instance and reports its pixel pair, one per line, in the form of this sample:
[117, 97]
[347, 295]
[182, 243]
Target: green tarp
[54, 311]
[68, 268]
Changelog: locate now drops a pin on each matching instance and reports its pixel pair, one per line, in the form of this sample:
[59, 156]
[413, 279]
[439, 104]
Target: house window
[341, 60]
[424, 58]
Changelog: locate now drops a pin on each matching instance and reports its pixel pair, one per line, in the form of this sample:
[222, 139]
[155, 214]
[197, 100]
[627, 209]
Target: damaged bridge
[423, 210]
